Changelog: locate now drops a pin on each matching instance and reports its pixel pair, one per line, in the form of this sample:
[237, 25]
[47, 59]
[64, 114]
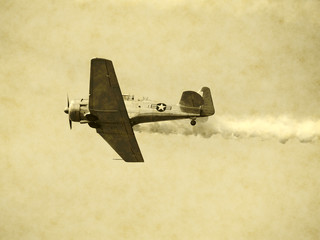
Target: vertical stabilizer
[207, 109]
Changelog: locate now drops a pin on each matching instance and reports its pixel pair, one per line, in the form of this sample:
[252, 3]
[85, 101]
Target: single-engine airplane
[113, 114]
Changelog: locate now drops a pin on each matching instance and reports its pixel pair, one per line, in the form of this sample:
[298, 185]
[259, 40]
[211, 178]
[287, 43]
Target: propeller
[66, 110]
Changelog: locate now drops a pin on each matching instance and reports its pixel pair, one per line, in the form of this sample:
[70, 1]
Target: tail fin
[193, 102]
[207, 109]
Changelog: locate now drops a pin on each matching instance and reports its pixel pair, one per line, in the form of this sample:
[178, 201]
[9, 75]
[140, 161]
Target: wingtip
[134, 159]
[97, 59]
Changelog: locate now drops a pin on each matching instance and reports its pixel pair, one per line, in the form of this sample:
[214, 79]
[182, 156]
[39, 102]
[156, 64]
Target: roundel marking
[161, 107]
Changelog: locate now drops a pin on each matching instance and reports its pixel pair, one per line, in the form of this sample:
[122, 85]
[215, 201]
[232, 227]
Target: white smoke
[281, 128]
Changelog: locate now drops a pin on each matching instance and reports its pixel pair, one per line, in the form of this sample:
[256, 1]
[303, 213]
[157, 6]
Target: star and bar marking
[161, 107]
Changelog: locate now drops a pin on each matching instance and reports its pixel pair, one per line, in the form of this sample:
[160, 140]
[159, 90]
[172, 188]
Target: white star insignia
[161, 107]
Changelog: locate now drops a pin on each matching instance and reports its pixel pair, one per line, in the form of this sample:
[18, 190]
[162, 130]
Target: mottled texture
[261, 61]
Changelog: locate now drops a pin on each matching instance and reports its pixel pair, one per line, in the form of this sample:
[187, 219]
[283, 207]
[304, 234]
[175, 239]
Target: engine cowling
[78, 110]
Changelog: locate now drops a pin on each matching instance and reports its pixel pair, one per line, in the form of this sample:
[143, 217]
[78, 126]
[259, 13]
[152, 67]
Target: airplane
[113, 114]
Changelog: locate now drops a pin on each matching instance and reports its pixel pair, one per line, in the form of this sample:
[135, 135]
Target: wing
[106, 103]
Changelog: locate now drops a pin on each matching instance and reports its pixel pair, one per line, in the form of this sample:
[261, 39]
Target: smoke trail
[282, 128]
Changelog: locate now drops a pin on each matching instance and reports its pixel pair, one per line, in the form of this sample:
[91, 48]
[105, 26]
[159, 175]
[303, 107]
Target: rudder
[207, 109]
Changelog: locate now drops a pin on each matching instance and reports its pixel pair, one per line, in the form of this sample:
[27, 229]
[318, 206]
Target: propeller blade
[66, 110]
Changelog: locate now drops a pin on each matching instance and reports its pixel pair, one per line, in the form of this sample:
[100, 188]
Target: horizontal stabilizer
[197, 103]
[190, 102]
[191, 99]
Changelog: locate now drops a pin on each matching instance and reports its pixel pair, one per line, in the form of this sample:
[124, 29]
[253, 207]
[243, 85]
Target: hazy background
[229, 178]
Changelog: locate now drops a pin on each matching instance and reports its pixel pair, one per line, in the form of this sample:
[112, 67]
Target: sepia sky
[250, 172]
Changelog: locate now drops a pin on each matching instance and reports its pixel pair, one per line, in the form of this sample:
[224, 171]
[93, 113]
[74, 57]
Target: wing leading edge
[106, 103]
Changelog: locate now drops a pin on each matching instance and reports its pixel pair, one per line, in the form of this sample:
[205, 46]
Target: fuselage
[139, 110]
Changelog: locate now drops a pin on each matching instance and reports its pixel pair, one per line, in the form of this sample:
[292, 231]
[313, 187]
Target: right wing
[106, 103]
[123, 142]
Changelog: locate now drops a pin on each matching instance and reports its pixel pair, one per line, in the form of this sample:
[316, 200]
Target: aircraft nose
[66, 110]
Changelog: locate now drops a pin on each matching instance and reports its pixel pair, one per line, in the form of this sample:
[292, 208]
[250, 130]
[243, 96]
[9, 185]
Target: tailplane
[207, 109]
[193, 102]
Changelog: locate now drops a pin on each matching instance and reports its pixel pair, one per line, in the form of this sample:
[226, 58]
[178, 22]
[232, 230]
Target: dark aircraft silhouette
[113, 114]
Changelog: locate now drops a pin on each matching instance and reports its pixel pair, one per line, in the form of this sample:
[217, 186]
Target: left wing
[106, 103]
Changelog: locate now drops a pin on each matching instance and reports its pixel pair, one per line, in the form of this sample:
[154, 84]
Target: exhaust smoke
[281, 128]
